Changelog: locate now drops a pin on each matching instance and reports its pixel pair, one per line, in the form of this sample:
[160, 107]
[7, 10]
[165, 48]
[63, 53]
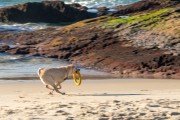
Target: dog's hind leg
[48, 87]
[50, 93]
[58, 85]
[49, 81]
[57, 90]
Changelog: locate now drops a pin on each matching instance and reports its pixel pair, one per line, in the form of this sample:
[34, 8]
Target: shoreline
[89, 77]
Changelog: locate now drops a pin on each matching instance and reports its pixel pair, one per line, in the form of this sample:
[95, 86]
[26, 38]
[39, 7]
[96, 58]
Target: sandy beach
[113, 99]
[110, 41]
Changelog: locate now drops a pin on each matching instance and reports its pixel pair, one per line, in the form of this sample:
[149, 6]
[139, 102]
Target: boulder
[3, 48]
[45, 11]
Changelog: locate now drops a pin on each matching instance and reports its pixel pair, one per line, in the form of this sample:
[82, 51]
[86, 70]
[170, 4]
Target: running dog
[55, 76]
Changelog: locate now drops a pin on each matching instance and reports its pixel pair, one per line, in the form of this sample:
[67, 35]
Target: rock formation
[45, 11]
[145, 5]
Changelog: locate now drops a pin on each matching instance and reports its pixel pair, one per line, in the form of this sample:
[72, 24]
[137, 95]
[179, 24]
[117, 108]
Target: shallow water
[27, 27]
[19, 67]
[16, 27]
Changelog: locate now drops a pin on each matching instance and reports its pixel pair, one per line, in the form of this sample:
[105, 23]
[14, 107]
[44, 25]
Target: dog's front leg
[59, 87]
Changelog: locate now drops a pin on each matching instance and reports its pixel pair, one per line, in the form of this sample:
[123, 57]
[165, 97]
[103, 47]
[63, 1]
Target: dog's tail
[39, 71]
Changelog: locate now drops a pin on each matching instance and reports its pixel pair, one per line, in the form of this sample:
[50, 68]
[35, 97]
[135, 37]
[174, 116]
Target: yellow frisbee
[77, 82]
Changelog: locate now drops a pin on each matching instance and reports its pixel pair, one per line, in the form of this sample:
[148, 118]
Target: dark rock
[102, 11]
[93, 36]
[23, 50]
[144, 5]
[18, 51]
[4, 48]
[52, 56]
[177, 10]
[65, 55]
[46, 11]
[65, 48]
[78, 6]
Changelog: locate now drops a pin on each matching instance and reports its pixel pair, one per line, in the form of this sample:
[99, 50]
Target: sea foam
[88, 3]
[17, 27]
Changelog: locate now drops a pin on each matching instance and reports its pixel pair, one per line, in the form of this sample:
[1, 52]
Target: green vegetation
[140, 20]
[170, 25]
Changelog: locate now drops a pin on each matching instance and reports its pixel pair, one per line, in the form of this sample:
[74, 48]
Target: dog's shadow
[106, 94]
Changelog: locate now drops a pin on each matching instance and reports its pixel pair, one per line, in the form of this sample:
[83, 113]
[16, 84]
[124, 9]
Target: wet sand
[112, 99]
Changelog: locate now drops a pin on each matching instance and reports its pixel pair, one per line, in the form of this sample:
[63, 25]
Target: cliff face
[145, 44]
[46, 11]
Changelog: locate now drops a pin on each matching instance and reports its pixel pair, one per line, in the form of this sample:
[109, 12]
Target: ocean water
[88, 3]
[17, 27]
[14, 27]
[14, 67]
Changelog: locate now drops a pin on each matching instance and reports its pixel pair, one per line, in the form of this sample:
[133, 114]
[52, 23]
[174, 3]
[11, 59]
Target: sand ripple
[160, 109]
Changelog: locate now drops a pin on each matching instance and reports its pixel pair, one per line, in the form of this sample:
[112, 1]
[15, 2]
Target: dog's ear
[77, 69]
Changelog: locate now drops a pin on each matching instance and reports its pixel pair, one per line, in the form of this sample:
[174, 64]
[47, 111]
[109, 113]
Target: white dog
[55, 76]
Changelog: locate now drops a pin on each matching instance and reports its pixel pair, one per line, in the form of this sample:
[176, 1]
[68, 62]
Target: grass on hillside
[145, 19]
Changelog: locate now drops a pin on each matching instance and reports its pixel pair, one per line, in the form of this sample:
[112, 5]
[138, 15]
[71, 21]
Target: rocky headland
[144, 42]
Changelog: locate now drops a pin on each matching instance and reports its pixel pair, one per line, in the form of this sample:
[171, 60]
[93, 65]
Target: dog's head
[74, 68]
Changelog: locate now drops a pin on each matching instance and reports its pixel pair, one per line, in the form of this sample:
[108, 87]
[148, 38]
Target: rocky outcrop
[46, 11]
[141, 45]
[4, 48]
[145, 5]
[102, 11]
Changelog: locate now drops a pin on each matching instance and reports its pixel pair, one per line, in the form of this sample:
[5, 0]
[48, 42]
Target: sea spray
[88, 3]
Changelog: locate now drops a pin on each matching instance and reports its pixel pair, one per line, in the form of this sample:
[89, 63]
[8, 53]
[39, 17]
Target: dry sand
[126, 99]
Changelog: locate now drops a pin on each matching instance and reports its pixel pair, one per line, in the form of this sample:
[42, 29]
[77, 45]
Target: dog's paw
[50, 93]
[62, 93]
